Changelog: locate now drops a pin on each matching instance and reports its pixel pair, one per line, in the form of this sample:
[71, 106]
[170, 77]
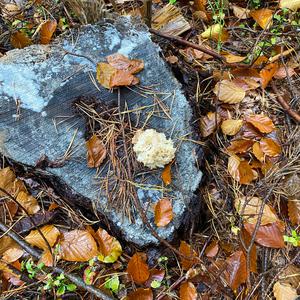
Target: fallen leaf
[270, 235]
[187, 291]
[155, 275]
[246, 239]
[7, 177]
[47, 30]
[28, 202]
[121, 62]
[284, 292]
[232, 58]
[20, 40]
[263, 123]
[7, 243]
[172, 59]
[233, 167]
[46, 258]
[188, 251]
[240, 146]
[140, 294]
[270, 147]
[12, 277]
[96, 152]
[78, 245]
[267, 166]
[209, 123]
[267, 74]
[212, 249]
[50, 232]
[229, 92]
[236, 270]
[283, 72]
[12, 254]
[240, 171]
[290, 4]
[258, 152]
[163, 212]
[166, 174]
[138, 269]
[200, 5]
[248, 131]
[263, 17]
[249, 208]
[216, 32]
[294, 211]
[109, 247]
[290, 275]
[240, 12]
[231, 127]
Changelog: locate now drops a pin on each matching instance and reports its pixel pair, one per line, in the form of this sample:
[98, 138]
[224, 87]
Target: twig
[284, 105]
[76, 280]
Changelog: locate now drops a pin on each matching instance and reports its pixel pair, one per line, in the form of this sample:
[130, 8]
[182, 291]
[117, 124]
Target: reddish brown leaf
[263, 17]
[19, 39]
[12, 277]
[140, 294]
[294, 211]
[246, 238]
[200, 5]
[212, 249]
[188, 251]
[163, 212]
[209, 123]
[240, 146]
[270, 147]
[267, 73]
[96, 152]
[270, 235]
[138, 269]
[283, 72]
[263, 123]
[236, 269]
[187, 291]
[246, 174]
[47, 30]
[248, 131]
[46, 258]
[166, 174]
[122, 62]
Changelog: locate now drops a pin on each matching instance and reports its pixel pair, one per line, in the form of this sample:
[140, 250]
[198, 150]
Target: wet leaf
[267, 73]
[270, 235]
[229, 92]
[212, 249]
[138, 269]
[163, 212]
[109, 247]
[263, 17]
[46, 259]
[28, 202]
[188, 251]
[290, 4]
[78, 245]
[166, 174]
[187, 291]
[96, 152]
[231, 127]
[47, 30]
[236, 270]
[263, 123]
[240, 12]
[209, 123]
[50, 232]
[258, 152]
[121, 62]
[294, 211]
[140, 294]
[240, 146]
[232, 58]
[216, 32]
[249, 208]
[20, 40]
[284, 292]
[270, 147]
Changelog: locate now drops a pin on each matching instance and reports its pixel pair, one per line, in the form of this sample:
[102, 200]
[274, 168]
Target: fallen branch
[73, 278]
[284, 105]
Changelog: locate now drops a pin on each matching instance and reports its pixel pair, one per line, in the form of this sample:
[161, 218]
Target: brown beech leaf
[246, 238]
[240, 146]
[290, 275]
[78, 245]
[7, 177]
[267, 73]
[187, 291]
[12, 277]
[12, 254]
[163, 212]
[270, 147]
[263, 123]
[258, 152]
[283, 72]
[284, 291]
[249, 208]
[263, 17]
[109, 247]
[270, 235]
[188, 251]
[155, 274]
[229, 92]
[46, 258]
[50, 232]
[240, 12]
[166, 174]
[215, 32]
[19, 39]
[140, 294]
[290, 4]
[200, 5]
[7, 243]
[47, 30]
[236, 269]
[294, 211]
[231, 127]
[121, 62]
[212, 249]
[96, 152]
[138, 269]
[28, 202]
[232, 58]
[209, 123]
[240, 171]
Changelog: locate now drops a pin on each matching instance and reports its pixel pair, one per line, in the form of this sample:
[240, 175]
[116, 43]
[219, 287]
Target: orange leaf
[163, 212]
[258, 152]
[270, 235]
[188, 251]
[47, 30]
[236, 270]
[46, 258]
[267, 73]
[7, 177]
[270, 147]
[200, 5]
[228, 91]
[166, 174]
[294, 211]
[232, 58]
[212, 249]
[78, 245]
[282, 72]
[140, 294]
[19, 40]
[121, 62]
[187, 291]
[138, 269]
[28, 202]
[12, 254]
[263, 123]
[209, 123]
[263, 17]
[7, 243]
[240, 146]
[50, 232]
[12, 277]
[96, 152]
[241, 171]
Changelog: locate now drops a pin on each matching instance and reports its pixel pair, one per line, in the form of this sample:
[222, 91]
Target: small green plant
[294, 239]
[31, 268]
[59, 284]
[255, 3]
[172, 1]
[112, 283]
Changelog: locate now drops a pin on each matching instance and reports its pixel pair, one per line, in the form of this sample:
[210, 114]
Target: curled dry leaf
[163, 212]
[140, 294]
[263, 17]
[215, 32]
[263, 123]
[20, 40]
[209, 123]
[229, 92]
[240, 146]
[166, 174]
[240, 171]
[270, 147]
[240, 12]
[28, 202]
[187, 291]
[47, 30]
[267, 74]
[78, 245]
[294, 211]
[249, 208]
[290, 4]
[258, 152]
[138, 269]
[188, 251]
[50, 232]
[231, 127]
[96, 152]
[109, 247]
[284, 291]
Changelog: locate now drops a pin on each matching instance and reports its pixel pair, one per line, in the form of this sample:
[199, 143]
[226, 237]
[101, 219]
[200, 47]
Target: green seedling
[59, 284]
[294, 239]
[112, 283]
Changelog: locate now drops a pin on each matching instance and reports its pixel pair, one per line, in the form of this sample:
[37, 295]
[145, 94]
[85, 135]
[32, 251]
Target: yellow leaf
[284, 292]
[231, 58]
[263, 17]
[228, 92]
[231, 127]
[28, 202]
[216, 32]
[290, 4]
[258, 152]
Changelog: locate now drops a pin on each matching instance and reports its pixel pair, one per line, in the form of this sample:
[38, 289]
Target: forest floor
[238, 63]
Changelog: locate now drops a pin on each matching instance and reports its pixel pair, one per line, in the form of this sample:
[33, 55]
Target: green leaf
[155, 284]
[113, 284]
[71, 287]
[61, 290]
